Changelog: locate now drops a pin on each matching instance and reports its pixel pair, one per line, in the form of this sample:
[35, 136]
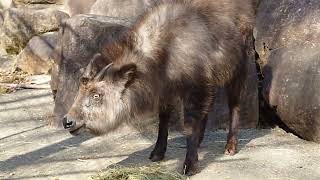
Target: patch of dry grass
[152, 172]
[15, 78]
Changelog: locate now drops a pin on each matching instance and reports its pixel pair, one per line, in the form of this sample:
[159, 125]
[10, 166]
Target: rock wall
[288, 43]
[24, 20]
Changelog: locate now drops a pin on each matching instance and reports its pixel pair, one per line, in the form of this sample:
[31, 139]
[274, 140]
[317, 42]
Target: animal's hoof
[230, 149]
[190, 169]
[156, 157]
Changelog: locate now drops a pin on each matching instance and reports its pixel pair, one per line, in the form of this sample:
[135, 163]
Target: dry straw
[152, 172]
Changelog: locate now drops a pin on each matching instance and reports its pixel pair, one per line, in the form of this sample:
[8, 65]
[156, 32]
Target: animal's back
[202, 39]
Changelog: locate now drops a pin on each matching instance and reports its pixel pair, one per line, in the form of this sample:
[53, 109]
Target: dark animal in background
[177, 49]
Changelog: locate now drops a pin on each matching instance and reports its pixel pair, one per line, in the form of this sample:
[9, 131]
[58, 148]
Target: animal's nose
[68, 123]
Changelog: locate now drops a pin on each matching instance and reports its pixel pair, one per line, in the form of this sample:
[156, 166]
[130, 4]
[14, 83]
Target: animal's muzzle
[68, 123]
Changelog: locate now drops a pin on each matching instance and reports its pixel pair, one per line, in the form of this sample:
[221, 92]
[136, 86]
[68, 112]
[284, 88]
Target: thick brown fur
[177, 49]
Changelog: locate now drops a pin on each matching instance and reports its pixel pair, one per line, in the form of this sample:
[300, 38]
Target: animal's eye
[96, 96]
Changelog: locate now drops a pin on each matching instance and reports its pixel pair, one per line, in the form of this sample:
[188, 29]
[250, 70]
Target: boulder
[79, 39]
[35, 58]
[20, 25]
[1, 17]
[124, 9]
[6, 64]
[36, 1]
[40, 4]
[5, 4]
[75, 7]
[288, 43]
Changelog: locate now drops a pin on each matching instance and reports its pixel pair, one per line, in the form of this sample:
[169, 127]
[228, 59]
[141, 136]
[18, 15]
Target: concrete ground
[31, 150]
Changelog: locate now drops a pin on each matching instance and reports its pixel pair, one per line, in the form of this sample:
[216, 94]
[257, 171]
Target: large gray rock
[40, 4]
[5, 4]
[288, 43]
[20, 25]
[36, 57]
[1, 17]
[286, 23]
[80, 37]
[75, 7]
[123, 8]
[6, 64]
[36, 1]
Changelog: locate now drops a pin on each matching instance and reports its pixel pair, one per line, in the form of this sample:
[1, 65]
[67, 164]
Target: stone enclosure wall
[60, 36]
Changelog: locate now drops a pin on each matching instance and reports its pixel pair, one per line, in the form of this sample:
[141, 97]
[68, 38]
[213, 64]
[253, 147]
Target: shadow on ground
[33, 156]
[210, 151]
[31, 150]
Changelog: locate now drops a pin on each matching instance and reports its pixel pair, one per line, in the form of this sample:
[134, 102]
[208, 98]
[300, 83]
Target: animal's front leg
[232, 141]
[161, 145]
[234, 95]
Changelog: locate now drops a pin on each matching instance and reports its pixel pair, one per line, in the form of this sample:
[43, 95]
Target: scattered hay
[15, 77]
[4, 90]
[152, 172]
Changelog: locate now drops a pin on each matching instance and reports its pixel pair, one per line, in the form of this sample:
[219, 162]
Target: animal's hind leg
[234, 107]
[161, 145]
[205, 119]
[202, 129]
[196, 106]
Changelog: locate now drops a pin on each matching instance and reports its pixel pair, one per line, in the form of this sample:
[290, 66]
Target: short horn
[100, 75]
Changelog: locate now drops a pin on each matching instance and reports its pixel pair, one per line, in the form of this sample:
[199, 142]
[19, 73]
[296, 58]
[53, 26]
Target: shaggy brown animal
[177, 49]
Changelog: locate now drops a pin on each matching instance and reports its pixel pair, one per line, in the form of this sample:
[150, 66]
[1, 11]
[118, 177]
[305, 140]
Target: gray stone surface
[5, 4]
[288, 42]
[35, 58]
[31, 150]
[124, 9]
[20, 25]
[286, 23]
[37, 1]
[75, 7]
[7, 64]
[1, 17]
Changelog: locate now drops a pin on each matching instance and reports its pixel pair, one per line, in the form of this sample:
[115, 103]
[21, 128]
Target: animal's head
[103, 102]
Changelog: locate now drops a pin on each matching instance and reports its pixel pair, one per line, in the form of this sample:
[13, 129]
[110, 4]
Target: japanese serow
[177, 49]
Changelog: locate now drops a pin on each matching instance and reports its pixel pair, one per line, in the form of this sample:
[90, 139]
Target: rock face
[40, 4]
[1, 17]
[36, 57]
[6, 64]
[75, 7]
[124, 8]
[5, 4]
[80, 37]
[36, 1]
[288, 43]
[20, 25]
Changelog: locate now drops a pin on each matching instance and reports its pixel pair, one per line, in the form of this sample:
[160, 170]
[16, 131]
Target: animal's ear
[96, 64]
[126, 73]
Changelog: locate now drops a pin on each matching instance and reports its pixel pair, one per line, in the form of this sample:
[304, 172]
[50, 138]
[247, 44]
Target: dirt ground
[31, 150]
